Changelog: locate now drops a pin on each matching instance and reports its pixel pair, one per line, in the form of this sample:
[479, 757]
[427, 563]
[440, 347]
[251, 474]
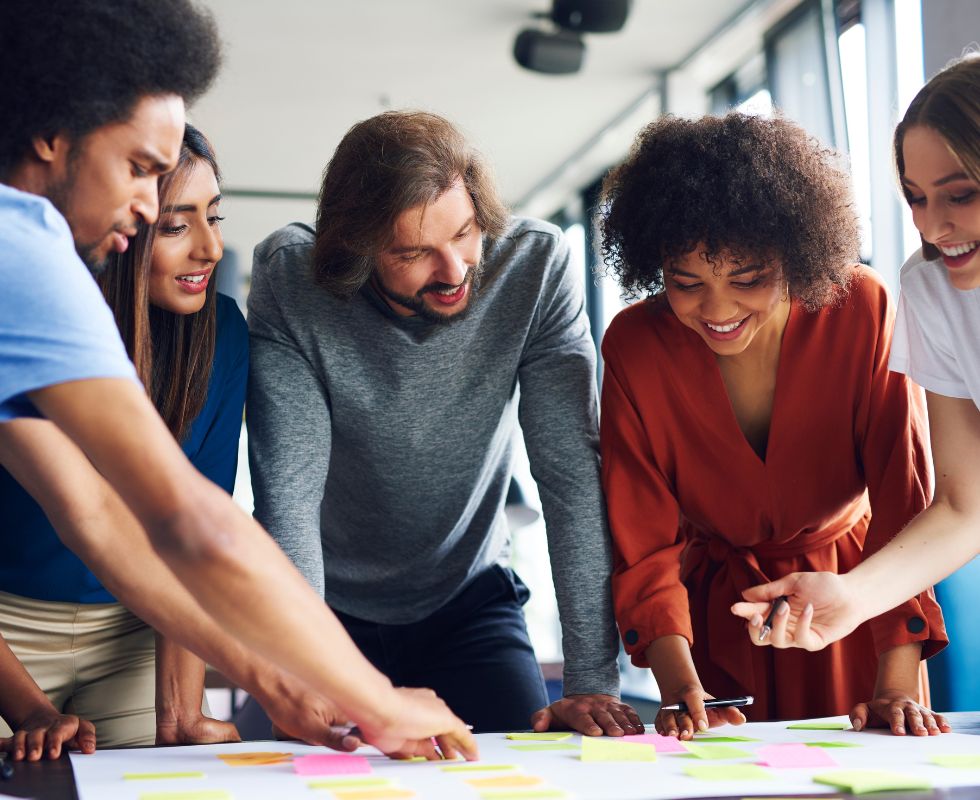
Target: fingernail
[702, 725]
[856, 724]
[756, 621]
[783, 610]
[808, 608]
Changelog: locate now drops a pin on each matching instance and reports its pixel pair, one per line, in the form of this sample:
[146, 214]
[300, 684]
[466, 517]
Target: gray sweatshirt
[380, 445]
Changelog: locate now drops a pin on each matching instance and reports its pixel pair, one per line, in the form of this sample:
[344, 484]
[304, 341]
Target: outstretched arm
[825, 607]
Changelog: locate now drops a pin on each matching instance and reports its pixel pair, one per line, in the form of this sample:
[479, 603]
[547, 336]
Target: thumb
[541, 720]
[767, 592]
[859, 716]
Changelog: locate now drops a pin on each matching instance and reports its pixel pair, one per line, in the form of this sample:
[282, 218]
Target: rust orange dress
[697, 516]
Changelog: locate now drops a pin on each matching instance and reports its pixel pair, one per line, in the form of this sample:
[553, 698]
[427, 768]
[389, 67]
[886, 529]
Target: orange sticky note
[254, 759]
[373, 794]
[505, 782]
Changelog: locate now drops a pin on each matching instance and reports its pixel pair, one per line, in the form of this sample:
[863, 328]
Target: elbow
[196, 533]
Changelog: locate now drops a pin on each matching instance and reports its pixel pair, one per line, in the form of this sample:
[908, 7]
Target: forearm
[898, 670]
[179, 681]
[20, 696]
[672, 665]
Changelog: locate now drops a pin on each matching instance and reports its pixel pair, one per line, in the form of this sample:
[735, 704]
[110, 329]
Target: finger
[803, 635]
[943, 723]
[583, 722]
[859, 716]
[19, 745]
[541, 720]
[427, 749]
[685, 726]
[665, 724]
[465, 743]
[622, 718]
[896, 719]
[930, 720]
[767, 592]
[732, 716]
[634, 718]
[63, 731]
[446, 747]
[35, 743]
[747, 610]
[85, 739]
[696, 712]
[914, 721]
[606, 722]
[339, 737]
[781, 636]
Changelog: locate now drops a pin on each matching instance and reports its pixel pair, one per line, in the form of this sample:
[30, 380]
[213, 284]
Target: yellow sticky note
[860, 781]
[819, 726]
[477, 767]
[534, 747]
[505, 782]
[189, 794]
[726, 772]
[601, 749]
[160, 776]
[967, 761]
[715, 751]
[546, 736]
[390, 793]
[254, 759]
[524, 794]
[350, 783]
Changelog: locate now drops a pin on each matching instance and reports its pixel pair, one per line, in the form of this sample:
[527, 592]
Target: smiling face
[188, 243]
[729, 302]
[106, 183]
[945, 203]
[431, 265]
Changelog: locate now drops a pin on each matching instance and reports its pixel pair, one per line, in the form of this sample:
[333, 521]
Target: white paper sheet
[100, 776]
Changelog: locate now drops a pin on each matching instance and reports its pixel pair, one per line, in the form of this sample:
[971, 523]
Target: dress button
[916, 625]
[632, 637]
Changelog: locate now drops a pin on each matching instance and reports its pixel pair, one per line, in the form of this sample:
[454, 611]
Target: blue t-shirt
[36, 564]
[55, 325]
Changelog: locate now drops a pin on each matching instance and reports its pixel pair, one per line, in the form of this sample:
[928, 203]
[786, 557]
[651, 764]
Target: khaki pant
[93, 660]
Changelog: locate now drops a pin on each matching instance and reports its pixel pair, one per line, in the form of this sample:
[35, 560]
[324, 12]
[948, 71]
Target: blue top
[36, 564]
[55, 325]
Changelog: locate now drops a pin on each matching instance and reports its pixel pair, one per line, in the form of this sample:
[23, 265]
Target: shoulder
[639, 326]
[287, 249]
[26, 217]
[525, 237]
[231, 334]
[925, 283]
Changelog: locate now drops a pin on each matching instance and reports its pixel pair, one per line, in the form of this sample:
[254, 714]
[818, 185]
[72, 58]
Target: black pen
[719, 703]
[6, 768]
[767, 625]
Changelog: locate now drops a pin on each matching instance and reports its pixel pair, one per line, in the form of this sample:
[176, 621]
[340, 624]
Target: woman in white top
[937, 343]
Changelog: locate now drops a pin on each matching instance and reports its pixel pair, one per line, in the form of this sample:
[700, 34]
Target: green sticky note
[476, 767]
[601, 749]
[189, 794]
[543, 746]
[727, 772]
[819, 726]
[349, 783]
[831, 744]
[547, 736]
[861, 781]
[159, 776]
[967, 761]
[726, 739]
[529, 794]
[715, 751]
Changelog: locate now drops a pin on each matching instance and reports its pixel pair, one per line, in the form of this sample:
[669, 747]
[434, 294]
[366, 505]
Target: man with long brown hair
[394, 349]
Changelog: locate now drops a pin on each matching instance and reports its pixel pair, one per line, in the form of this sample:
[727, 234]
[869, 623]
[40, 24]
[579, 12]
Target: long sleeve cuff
[596, 681]
[917, 620]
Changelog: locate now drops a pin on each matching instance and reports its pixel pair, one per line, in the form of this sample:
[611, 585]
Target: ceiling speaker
[555, 53]
[590, 16]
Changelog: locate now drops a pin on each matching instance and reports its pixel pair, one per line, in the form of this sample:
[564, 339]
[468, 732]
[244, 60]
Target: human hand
[821, 608]
[591, 714]
[898, 711]
[683, 724]
[45, 731]
[311, 719]
[195, 729]
[412, 719]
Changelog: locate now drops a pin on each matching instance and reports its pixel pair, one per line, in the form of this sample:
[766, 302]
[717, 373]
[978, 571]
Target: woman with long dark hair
[87, 658]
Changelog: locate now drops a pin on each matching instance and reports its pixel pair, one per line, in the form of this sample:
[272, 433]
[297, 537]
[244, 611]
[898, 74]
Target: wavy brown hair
[753, 187]
[949, 104]
[172, 352]
[383, 166]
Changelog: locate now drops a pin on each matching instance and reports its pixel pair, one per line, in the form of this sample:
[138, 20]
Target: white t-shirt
[937, 331]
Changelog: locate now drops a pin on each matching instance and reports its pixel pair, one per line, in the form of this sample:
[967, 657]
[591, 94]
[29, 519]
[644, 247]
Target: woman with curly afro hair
[750, 427]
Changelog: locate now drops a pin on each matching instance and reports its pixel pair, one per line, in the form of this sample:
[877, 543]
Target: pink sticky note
[794, 755]
[662, 744]
[340, 764]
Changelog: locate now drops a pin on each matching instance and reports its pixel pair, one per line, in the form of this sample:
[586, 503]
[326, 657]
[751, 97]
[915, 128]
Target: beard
[417, 302]
[60, 195]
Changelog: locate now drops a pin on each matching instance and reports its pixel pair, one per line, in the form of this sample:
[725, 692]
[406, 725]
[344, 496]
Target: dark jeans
[474, 652]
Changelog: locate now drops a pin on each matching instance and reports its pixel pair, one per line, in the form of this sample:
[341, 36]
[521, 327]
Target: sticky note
[350, 783]
[723, 739]
[715, 751]
[860, 781]
[546, 736]
[505, 782]
[254, 759]
[819, 726]
[604, 749]
[794, 755]
[543, 746]
[831, 744]
[968, 761]
[524, 794]
[340, 764]
[160, 776]
[662, 744]
[477, 767]
[390, 793]
[189, 794]
[726, 772]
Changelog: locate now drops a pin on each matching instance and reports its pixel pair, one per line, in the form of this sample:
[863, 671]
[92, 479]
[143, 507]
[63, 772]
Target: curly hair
[745, 185]
[71, 66]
